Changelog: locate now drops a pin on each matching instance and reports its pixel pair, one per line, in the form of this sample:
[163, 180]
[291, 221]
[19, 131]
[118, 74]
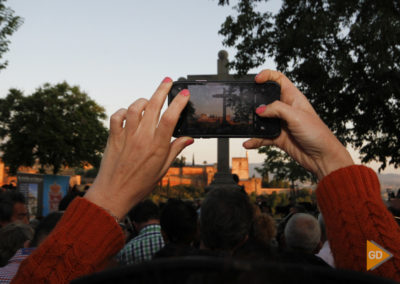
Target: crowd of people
[113, 226]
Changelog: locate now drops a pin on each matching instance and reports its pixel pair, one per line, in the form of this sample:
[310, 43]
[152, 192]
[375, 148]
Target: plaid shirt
[8, 271]
[143, 247]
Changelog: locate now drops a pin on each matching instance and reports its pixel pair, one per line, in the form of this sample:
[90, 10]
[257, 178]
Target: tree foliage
[58, 125]
[179, 162]
[344, 56]
[9, 23]
[283, 167]
[188, 192]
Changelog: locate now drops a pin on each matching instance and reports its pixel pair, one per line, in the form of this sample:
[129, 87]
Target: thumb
[174, 149]
[277, 109]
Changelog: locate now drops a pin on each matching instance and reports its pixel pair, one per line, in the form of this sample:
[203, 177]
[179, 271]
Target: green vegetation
[284, 169]
[9, 23]
[343, 55]
[57, 126]
[188, 192]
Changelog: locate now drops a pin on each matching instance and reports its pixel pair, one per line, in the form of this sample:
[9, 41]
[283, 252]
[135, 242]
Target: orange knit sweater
[349, 198]
[83, 242]
[351, 203]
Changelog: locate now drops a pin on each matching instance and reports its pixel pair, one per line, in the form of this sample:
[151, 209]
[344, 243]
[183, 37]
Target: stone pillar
[223, 176]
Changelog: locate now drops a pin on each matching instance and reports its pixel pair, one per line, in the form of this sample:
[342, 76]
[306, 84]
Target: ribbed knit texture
[82, 243]
[353, 210]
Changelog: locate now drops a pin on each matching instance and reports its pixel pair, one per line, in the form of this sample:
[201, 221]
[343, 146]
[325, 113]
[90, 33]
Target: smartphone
[219, 109]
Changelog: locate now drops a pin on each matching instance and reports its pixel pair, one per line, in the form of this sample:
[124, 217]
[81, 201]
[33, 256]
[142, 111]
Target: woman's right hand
[305, 137]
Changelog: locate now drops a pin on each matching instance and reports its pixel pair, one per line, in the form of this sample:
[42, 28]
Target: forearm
[82, 243]
[354, 212]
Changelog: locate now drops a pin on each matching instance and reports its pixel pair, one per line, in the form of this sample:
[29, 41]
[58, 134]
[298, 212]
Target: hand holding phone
[219, 109]
[305, 137]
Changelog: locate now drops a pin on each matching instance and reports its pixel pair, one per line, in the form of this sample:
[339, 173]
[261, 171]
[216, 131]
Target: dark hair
[225, 218]
[235, 178]
[179, 221]
[67, 199]
[144, 211]
[264, 227]
[7, 201]
[12, 237]
[46, 225]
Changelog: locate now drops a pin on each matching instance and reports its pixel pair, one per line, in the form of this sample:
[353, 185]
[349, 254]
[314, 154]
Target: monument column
[223, 175]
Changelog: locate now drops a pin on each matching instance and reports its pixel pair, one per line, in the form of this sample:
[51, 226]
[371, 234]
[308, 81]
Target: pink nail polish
[185, 92]
[189, 142]
[167, 80]
[257, 76]
[260, 109]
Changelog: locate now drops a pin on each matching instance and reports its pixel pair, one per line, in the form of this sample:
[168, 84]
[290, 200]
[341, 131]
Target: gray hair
[302, 233]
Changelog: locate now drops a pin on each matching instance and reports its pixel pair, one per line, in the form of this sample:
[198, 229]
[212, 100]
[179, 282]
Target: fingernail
[185, 92]
[257, 76]
[261, 109]
[167, 80]
[189, 141]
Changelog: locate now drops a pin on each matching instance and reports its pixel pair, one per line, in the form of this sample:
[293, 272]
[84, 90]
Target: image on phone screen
[226, 109]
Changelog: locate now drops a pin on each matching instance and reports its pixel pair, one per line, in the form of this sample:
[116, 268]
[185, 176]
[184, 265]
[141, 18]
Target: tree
[56, 126]
[343, 55]
[283, 167]
[179, 162]
[9, 23]
[189, 192]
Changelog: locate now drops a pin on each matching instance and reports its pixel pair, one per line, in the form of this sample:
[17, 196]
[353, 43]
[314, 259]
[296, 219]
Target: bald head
[303, 233]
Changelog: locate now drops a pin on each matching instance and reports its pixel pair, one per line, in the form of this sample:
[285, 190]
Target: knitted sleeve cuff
[93, 227]
[351, 203]
[83, 241]
[350, 183]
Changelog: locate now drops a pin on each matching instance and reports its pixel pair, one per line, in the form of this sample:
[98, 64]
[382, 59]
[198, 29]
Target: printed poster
[31, 186]
[54, 189]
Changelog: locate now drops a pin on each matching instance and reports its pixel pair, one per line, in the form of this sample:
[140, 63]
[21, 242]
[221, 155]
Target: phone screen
[226, 109]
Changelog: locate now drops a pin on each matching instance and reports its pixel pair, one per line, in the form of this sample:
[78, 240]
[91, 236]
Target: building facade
[195, 175]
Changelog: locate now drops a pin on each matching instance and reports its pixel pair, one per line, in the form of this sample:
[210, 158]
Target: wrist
[118, 203]
[108, 205]
[337, 159]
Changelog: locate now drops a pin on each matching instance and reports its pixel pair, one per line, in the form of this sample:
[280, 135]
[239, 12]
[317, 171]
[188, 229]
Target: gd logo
[376, 255]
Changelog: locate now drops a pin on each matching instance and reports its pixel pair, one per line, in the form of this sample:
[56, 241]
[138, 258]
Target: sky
[118, 51]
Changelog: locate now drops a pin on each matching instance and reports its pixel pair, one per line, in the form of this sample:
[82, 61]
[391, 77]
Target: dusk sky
[119, 51]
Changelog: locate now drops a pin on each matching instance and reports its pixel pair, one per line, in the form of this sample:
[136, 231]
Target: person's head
[235, 178]
[13, 236]
[143, 213]
[225, 219]
[46, 225]
[264, 227]
[303, 233]
[68, 198]
[178, 222]
[13, 208]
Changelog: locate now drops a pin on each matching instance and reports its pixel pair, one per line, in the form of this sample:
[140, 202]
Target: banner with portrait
[54, 189]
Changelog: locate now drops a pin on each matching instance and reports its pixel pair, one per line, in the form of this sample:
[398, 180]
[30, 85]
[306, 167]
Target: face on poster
[54, 189]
